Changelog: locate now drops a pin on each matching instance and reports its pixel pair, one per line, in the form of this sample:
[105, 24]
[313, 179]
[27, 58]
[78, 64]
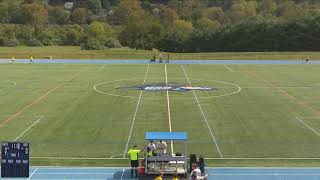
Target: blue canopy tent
[168, 164]
[175, 136]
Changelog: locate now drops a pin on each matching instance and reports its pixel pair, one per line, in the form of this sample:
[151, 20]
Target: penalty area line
[228, 68]
[36, 101]
[309, 127]
[135, 114]
[36, 122]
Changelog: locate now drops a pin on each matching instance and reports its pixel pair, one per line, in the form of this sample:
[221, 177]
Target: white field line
[93, 173]
[305, 124]
[135, 114]
[40, 117]
[210, 168]
[275, 174]
[122, 174]
[169, 110]
[248, 158]
[203, 115]
[100, 68]
[32, 174]
[228, 68]
[6, 85]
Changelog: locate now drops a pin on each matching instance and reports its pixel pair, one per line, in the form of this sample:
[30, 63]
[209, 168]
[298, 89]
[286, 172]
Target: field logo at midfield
[167, 87]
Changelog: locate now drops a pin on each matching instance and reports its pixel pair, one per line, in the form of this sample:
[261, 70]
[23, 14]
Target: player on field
[160, 58]
[307, 60]
[134, 154]
[12, 59]
[168, 58]
[31, 59]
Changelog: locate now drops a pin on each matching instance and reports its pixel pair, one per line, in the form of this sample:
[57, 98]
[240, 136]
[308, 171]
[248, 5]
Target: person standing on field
[160, 58]
[31, 59]
[134, 157]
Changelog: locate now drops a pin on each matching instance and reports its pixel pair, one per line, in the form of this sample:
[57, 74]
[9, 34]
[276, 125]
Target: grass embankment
[73, 52]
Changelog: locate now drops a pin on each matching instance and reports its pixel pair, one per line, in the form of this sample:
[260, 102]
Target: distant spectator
[201, 165]
[307, 59]
[175, 176]
[151, 146]
[160, 58]
[196, 173]
[162, 146]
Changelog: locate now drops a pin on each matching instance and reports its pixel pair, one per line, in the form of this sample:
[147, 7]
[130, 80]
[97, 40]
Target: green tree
[35, 14]
[79, 16]
[289, 9]
[126, 9]
[242, 9]
[100, 31]
[176, 40]
[214, 13]
[4, 13]
[267, 7]
[141, 32]
[94, 5]
[71, 35]
[58, 15]
[168, 15]
[206, 24]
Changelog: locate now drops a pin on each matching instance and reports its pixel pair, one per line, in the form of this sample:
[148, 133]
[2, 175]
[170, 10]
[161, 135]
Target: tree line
[168, 25]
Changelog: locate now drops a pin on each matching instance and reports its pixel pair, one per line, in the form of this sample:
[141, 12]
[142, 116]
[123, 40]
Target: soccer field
[85, 113]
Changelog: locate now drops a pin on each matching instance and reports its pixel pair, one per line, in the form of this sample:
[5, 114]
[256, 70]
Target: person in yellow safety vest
[134, 154]
[160, 176]
[175, 176]
[31, 59]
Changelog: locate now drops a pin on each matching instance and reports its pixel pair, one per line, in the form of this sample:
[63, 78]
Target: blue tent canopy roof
[177, 136]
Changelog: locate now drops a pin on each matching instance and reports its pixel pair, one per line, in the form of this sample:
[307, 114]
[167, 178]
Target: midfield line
[135, 115]
[168, 103]
[203, 115]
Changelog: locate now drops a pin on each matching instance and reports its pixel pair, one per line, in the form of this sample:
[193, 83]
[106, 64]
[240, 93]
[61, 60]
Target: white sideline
[213, 158]
[228, 68]
[168, 102]
[203, 115]
[40, 117]
[309, 127]
[135, 114]
[122, 174]
[32, 174]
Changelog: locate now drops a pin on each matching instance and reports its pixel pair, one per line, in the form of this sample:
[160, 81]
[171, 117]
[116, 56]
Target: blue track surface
[137, 61]
[60, 173]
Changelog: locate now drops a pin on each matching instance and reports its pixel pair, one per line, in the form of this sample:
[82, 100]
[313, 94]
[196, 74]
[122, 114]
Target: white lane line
[40, 117]
[100, 68]
[135, 114]
[93, 173]
[203, 115]
[33, 173]
[122, 174]
[228, 68]
[254, 174]
[305, 124]
[169, 110]
[248, 158]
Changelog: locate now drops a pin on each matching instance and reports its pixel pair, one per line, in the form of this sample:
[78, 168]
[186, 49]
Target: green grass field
[256, 112]
[74, 52]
